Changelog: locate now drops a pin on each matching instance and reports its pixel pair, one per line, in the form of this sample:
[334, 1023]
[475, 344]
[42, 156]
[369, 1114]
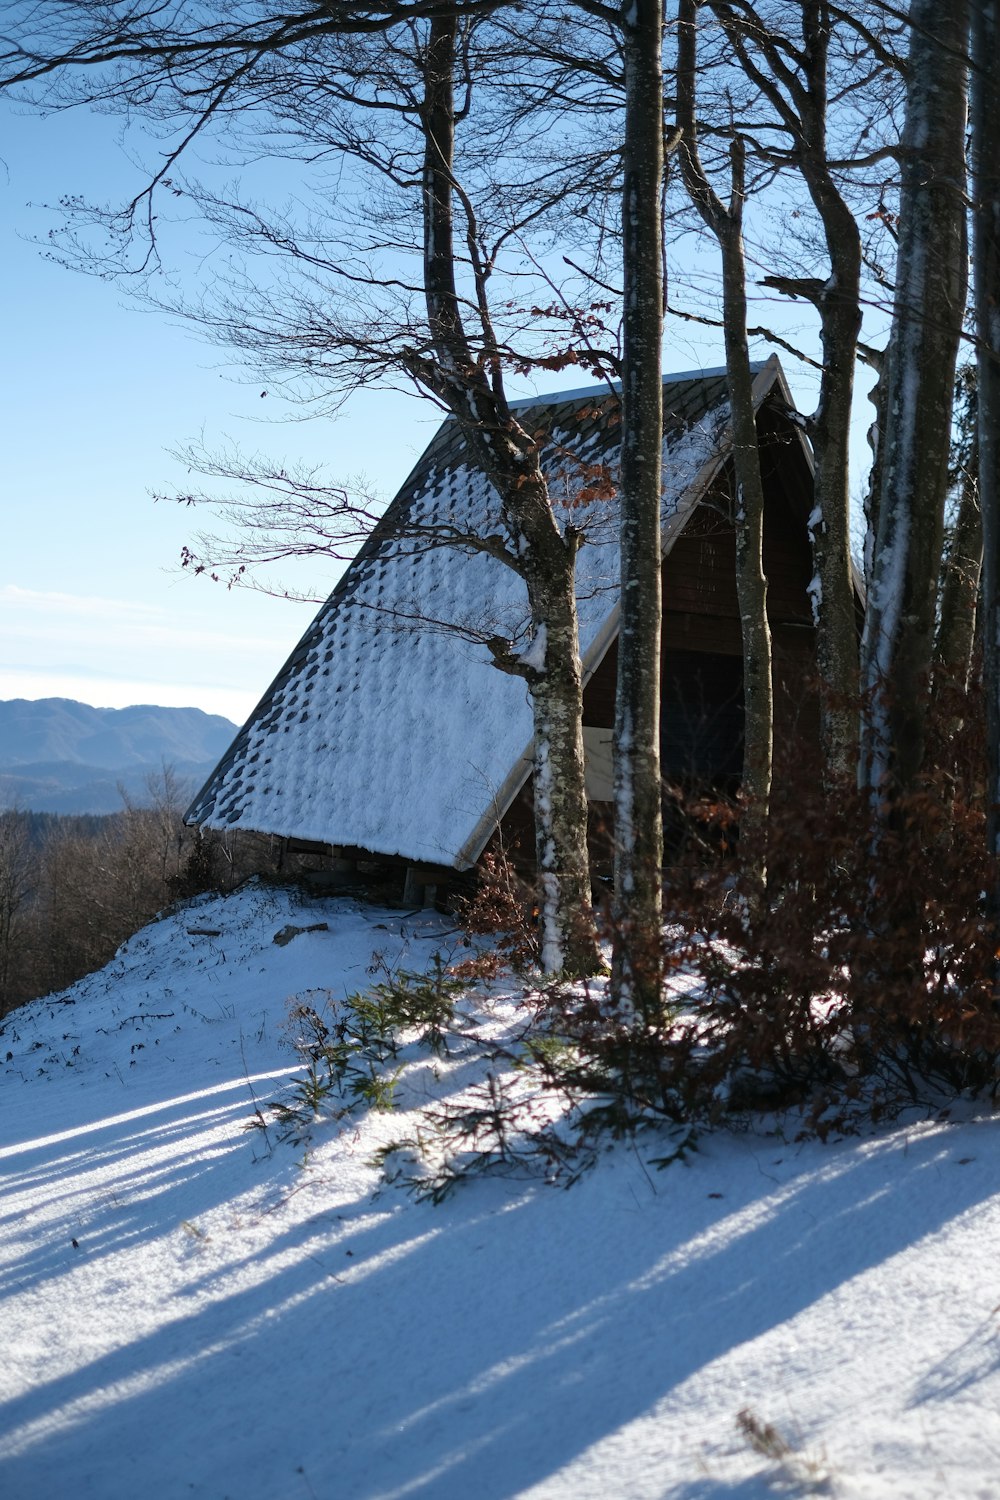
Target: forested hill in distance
[57, 755]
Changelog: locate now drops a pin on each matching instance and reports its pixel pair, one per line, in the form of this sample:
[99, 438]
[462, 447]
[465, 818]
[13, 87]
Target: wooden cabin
[389, 734]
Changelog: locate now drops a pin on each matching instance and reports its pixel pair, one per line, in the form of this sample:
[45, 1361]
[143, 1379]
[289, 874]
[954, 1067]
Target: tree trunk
[961, 568]
[833, 586]
[800, 101]
[927, 321]
[543, 555]
[985, 133]
[840, 325]
[751, 584]
[555, 683]
[956, 632]
[638, 817]
[751, 589]
[876, 435]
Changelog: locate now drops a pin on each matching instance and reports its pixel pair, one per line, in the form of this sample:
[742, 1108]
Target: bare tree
[793, 74]
[726, 224]
[388, 96]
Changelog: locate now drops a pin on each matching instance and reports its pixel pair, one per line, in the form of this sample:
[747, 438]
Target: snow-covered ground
[184, 1313]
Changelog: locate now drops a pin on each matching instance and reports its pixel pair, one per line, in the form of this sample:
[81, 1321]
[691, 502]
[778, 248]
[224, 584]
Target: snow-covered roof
[388, 728]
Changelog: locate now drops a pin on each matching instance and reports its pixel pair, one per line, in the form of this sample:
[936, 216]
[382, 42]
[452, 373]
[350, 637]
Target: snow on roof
[389, 729]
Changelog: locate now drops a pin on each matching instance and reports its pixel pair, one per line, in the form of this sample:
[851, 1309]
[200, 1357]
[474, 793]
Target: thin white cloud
[46, 600]
[43, 616]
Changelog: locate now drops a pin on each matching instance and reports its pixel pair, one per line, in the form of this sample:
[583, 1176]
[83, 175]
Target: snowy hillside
[187, 1313]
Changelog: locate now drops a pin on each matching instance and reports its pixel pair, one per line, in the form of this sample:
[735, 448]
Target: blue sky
[96, 391]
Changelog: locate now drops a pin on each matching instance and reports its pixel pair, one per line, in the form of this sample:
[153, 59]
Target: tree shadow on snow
[117, 1182]
[383, 1350]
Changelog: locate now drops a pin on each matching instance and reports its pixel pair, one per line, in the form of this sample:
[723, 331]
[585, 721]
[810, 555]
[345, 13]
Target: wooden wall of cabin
[701, 674]
[702, 660]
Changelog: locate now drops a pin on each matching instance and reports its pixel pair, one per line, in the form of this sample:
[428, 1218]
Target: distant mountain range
[57, 755]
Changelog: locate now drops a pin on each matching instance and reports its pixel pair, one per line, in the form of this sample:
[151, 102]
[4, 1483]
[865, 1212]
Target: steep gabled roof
[388, 728]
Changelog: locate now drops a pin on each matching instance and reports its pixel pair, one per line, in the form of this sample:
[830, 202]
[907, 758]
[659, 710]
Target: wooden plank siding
[701, 663]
